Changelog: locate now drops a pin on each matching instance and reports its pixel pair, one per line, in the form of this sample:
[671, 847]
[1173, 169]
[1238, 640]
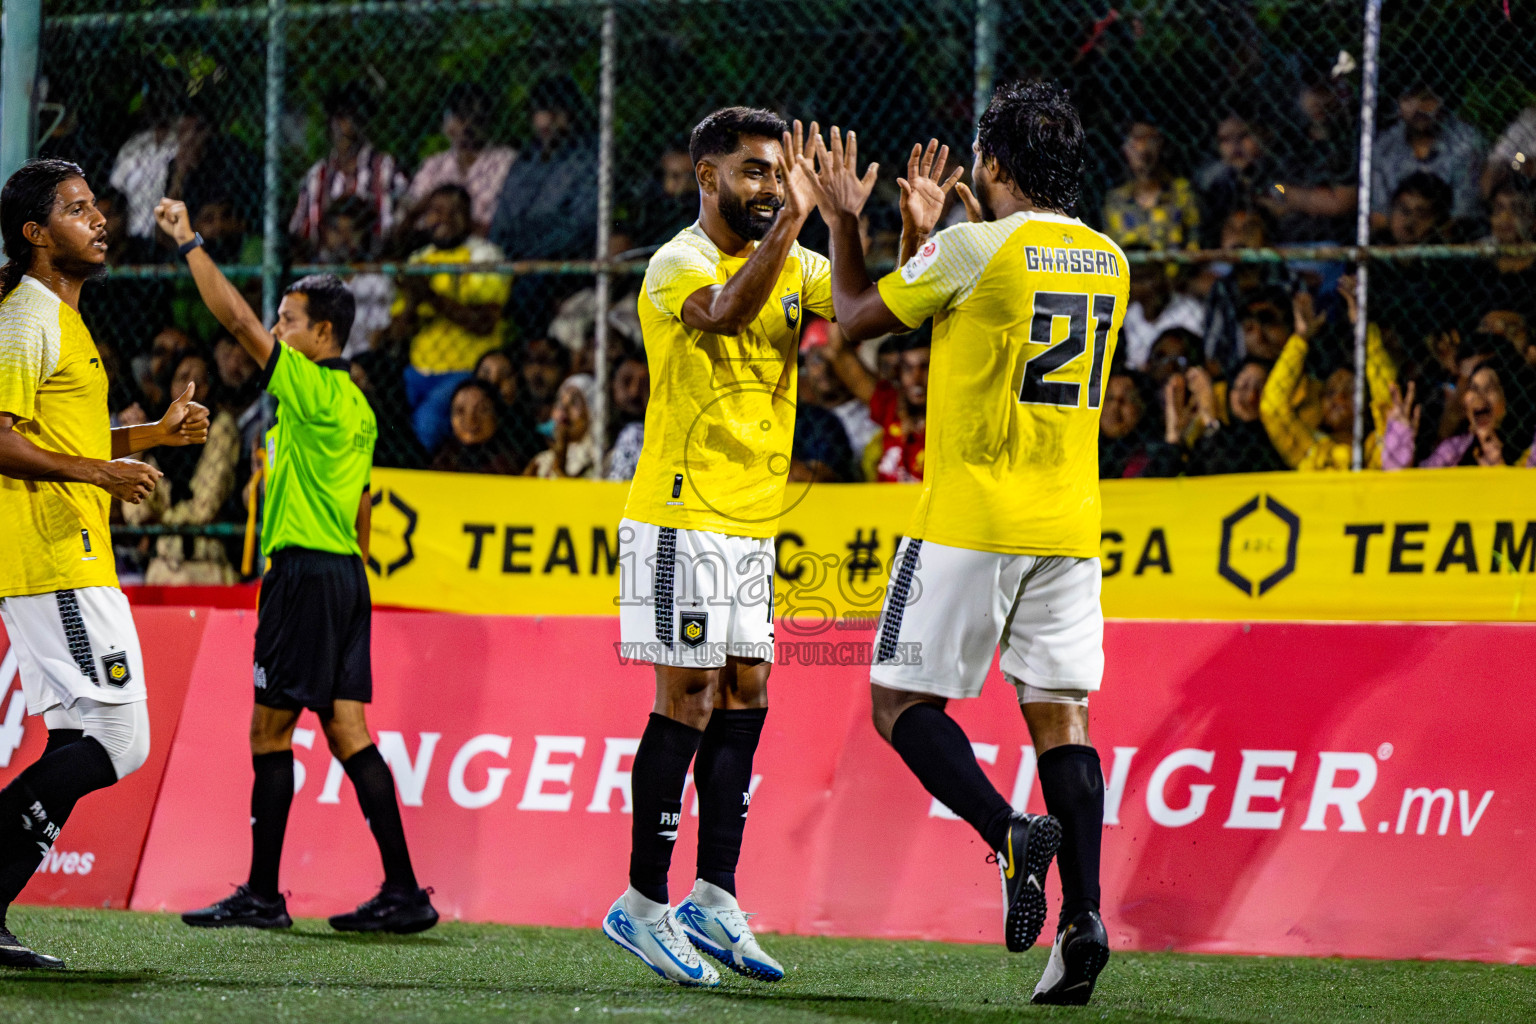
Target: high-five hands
[924, 190]
[840, 191]
[798, 172]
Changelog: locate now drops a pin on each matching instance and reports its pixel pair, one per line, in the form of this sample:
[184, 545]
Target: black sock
[1072, 782]
[376, 794]
[723, 774]
[34, 807]
[62, 738]
[939, 754]
[271, 796]
[661, 767]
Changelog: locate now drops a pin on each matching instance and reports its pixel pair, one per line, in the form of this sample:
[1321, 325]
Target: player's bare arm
[772, 177]
[924, 192]
[364, 522]
[222, 298]
[841, 194]
[185, 422]
[125, 479]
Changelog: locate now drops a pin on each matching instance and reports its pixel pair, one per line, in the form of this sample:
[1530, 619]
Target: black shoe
[1080, 953]
[242, 909]
[398, 910]
[14, 954]
[1022, 862]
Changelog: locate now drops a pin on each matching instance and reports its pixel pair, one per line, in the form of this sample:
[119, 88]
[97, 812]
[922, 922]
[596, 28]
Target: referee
[313, 622]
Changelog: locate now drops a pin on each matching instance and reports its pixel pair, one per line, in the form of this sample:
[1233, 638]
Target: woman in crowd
[478, 441]
[1129, 445]
[574, 450]
[1487, 441]
[197, 483]
[1236, 443]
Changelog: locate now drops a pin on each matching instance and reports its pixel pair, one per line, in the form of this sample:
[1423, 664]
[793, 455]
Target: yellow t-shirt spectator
[441, 346]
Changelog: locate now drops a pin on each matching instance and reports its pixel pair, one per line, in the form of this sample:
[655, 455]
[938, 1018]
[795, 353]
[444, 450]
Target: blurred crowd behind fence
[490, 175]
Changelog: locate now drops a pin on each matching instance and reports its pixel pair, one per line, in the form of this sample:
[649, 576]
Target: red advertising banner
[93, 863]
[1318, 789]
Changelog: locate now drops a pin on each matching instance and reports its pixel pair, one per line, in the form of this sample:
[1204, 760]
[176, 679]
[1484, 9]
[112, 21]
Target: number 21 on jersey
[1074, 306]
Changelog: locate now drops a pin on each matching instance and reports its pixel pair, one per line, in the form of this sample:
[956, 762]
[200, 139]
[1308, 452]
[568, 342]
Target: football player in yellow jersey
[60, 464]
[721, 312]
[1003, 548]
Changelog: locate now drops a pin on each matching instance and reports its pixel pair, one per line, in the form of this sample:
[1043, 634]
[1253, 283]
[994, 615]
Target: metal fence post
[985, 58]
[270, 226]
[1369, 74]
[604, 222]
[20, 23]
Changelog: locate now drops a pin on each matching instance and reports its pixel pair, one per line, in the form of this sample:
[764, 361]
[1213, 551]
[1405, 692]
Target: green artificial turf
[149, 967]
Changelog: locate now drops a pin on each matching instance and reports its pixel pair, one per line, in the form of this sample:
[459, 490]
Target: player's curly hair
[721, 132]
[1032, 130]
[28, 198]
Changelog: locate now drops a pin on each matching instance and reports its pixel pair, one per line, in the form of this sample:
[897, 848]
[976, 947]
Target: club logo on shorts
[791, 310]
[693, 627]
[116, 667]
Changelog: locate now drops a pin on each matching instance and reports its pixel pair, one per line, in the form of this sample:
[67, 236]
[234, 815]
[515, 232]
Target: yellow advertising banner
[1456, 544]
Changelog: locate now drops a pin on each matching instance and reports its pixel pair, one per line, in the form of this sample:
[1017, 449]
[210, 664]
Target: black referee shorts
[313, 626]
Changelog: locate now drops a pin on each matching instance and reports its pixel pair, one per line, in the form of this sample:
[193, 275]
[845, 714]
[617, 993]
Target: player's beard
[733, 210]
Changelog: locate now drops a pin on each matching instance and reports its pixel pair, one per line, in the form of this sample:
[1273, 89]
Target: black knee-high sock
[376, 794]
[939, 754]
[271, 797]
[661, 767]
[1072, 782]
[723, 774]
[34, 807]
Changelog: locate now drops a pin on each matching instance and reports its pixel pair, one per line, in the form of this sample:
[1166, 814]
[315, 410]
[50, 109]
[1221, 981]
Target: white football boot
[658, 940]
[1078, 956]
[716, 924]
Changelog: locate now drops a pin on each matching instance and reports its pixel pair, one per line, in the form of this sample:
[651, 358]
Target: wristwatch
[186, 247]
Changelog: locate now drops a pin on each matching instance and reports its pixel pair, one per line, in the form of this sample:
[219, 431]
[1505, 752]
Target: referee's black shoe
[14, 954]
[1022, 862]
[395, 909]
[242, 909]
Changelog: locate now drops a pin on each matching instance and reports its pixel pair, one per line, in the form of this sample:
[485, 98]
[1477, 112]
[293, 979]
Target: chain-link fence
[399, 143]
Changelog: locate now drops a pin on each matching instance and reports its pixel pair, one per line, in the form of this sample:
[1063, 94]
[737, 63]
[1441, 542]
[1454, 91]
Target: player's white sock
[707, 894]
[642, 908]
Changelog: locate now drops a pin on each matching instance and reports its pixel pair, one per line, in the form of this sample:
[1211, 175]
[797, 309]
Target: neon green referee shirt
[319, 455]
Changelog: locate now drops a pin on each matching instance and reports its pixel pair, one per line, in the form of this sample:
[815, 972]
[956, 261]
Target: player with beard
[1003, 548]
[60, 464]
[720, 312]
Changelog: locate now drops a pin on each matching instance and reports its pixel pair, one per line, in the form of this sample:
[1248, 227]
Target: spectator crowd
[1222, 366]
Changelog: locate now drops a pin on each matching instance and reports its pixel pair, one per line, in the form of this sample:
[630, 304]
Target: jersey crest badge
[920, 261]
[791, 310]
[693, 626]
[116, 666]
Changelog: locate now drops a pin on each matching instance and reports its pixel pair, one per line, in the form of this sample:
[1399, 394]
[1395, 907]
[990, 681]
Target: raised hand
[924, 189]
[1403, 410]
[841, 191]
[185, 422]
[172, 216]
[1490, 450]
[127, 479]
[1202, 393]
[797, 171]
[1308, 320]
[973, 211]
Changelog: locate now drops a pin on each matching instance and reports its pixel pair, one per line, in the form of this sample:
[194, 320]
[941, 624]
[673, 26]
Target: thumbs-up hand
[185, 422]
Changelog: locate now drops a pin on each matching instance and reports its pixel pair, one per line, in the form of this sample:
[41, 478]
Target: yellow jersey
[441, 346]
[1026, 315]
[53, 383]
[721, 421]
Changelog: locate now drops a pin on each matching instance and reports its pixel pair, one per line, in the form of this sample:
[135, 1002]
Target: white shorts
[691, 598]
[75, 645]
[948, 609]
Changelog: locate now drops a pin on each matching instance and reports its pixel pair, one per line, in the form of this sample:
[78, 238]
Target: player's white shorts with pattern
[948, 609]
[75, 644]
[691, 598]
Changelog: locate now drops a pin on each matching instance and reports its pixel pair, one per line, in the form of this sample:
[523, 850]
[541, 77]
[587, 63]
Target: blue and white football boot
[716, 924]
[659, 943]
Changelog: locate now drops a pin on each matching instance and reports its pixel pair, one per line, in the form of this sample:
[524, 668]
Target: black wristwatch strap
[186, 247]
